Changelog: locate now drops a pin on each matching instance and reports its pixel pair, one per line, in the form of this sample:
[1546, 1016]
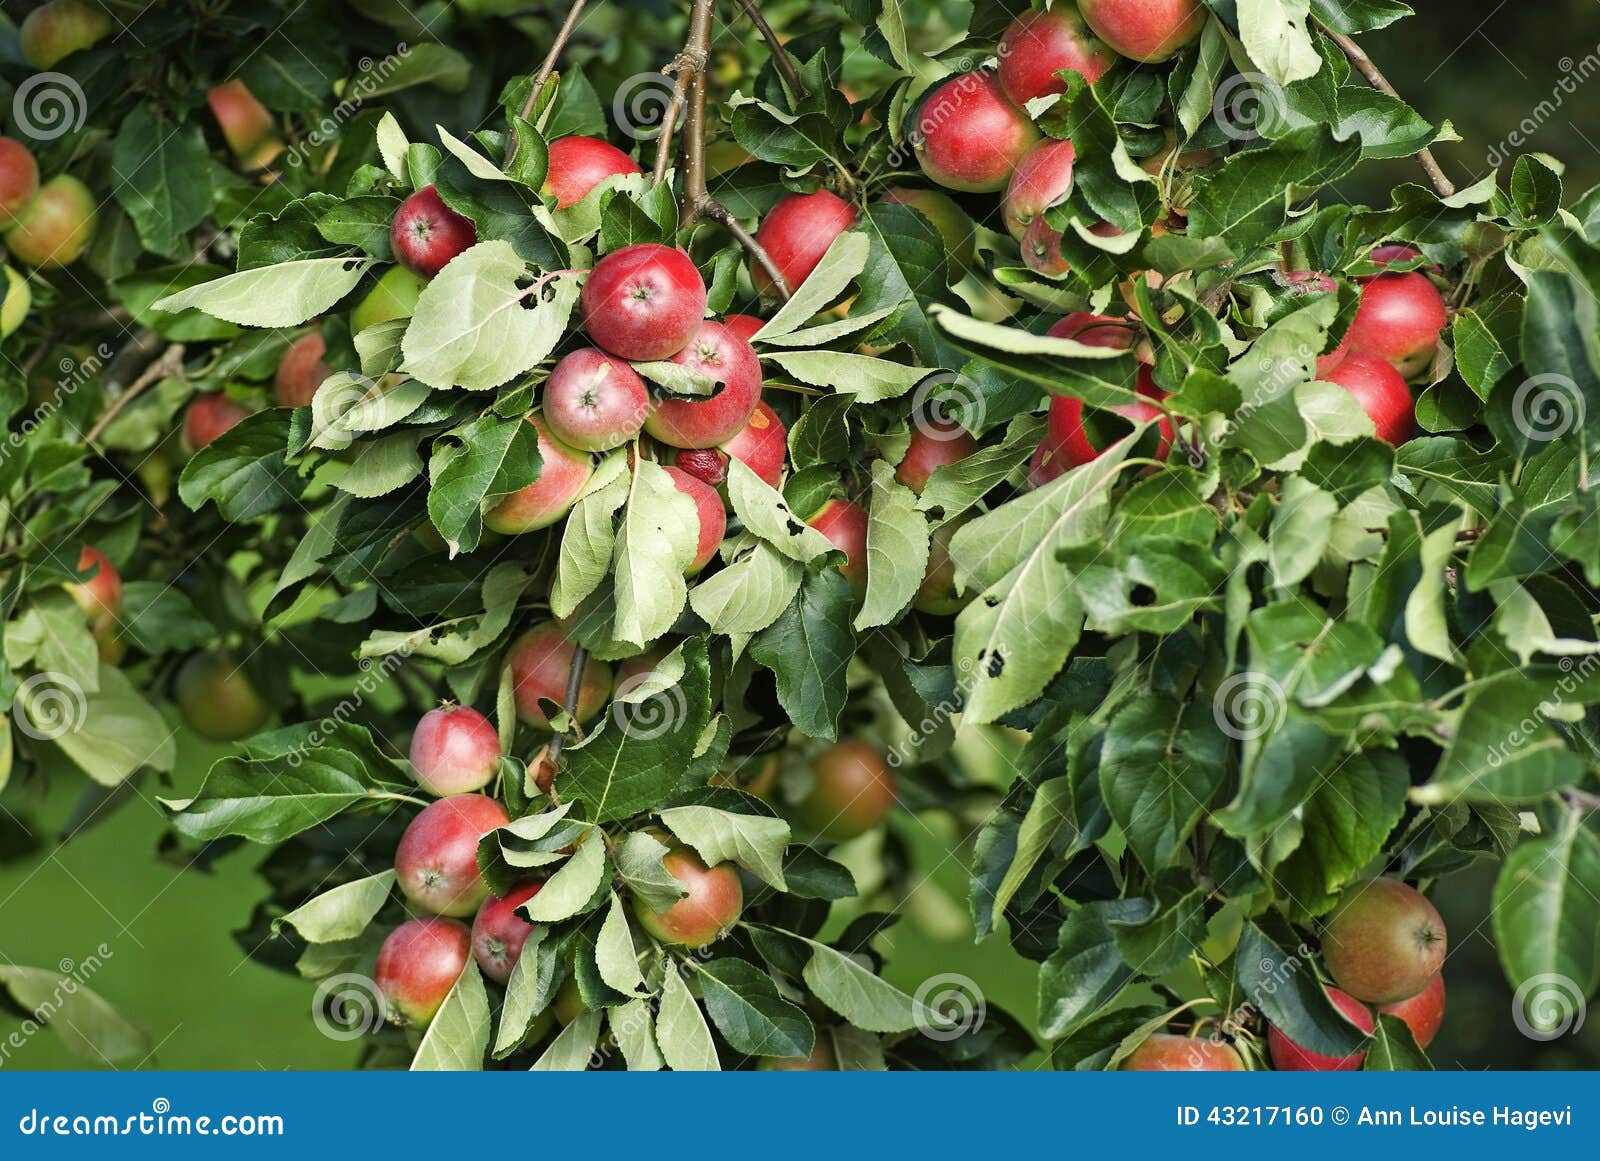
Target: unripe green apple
[395, 296]
[55, 227]
[216, 698]
[19, 297]
[54, 31]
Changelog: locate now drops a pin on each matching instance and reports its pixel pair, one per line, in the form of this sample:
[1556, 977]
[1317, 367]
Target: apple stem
[543, 76]
[168, 363]
[1442, 185]
[580, 661]
[781, 59]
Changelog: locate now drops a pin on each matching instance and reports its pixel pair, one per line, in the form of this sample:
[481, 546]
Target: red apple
[100, 597]
[797, 232]
[761, 446]
[1382, 393]
[454, 750]
[933, 445]
[701, 422]
[1287, 1056]
[845, 526]
[300, 371]
[1068, 437]
[1423, 1012]
[594, 401]
[713, 521]
[1041, 249]
[54, 228]
[1046, 464]
[1038, 45]
[19, 179]
[1094, 330]
[1164, 1052]
[437, 859]
[706, 913]
[208, 416]
[562, 474]
[851, 791]
[418, 965]
[578, 164]
[744, 325]
[498, 932]
[643, 302]
[1146, 30]
[1042, 178]
[969, 137]
[426, 233]
[1384, 942]
[541, 661]
[1399, 320]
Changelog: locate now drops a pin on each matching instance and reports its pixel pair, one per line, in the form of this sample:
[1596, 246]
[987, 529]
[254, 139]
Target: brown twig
[580, 661]
[1442, 185]
[542, 77]
[170, 362]
[696, 201]
[780, 55]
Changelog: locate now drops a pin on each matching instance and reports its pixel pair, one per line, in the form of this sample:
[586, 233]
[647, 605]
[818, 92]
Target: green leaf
[282, 295]
[681, 1031]
[1285, 988]
[640, 866]
[342, 912]
[89, 1027]
[1504, 748]
[897, 549]
[614, 954]
[1249, 198]
[573, 1048]
[655, 544]
[1345, 824]
[161, 175]
[473, 467]
[748, 594]
[808, 649]
[1394, 1049]
[853, 990]
[244, 471]
[746, 1007]
[764, 513]
[633, 1025]
[1547, 923]
[272, 799]
[458, 1035]
[1085, 973]
[572, 887]
[1161, 764]
[754, 841]
[119, 734]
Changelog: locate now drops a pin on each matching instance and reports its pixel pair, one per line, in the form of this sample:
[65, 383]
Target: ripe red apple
[969, 137]
[1391, 254]
[594, 401]
[643, 302]
[426, 233]
[1146, 30]
[217, 699]
[1041, 249]
[937, 595]
[845, 526]
[1165, 1052]
[713, 521]
[955, 228]
[1399, 320]
[578, 164]
[1042, 178]
[1382, 393]
[247, 125]
[1038, 45]
[55, 227]
[797, 232]
[541, 660]
[1046, 464]
[1094, 330]
[702, 916]
[54, 31]
[418, 965]
[1423, 1012]
[1287, 1056]
[851, 791]
[1384, 942]
[1068, 437]
[19, 179]
[744, 325]
[701, 422]
[100, 597]
[498, 932]
[454, 750]
[300, 371]
[563, 472]
[761, 446]
[934, 444]
[437, 859]
[208, 416]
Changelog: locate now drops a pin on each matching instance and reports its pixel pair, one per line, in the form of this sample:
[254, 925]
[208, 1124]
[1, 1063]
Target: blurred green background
[174, 967]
